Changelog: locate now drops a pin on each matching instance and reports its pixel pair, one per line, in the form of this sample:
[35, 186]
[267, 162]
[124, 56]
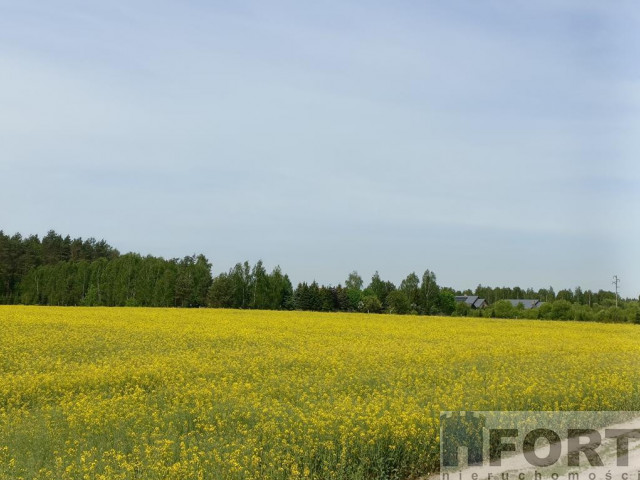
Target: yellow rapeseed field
[117, 393]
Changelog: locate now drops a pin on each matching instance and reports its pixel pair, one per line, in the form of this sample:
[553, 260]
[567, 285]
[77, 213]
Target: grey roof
[526, 303]
[471, 300]
[479, 302]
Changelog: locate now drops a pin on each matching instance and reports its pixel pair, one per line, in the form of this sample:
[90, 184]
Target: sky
[491, 142]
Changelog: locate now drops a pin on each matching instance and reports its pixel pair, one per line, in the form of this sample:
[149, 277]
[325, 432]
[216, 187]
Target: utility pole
[615, 282]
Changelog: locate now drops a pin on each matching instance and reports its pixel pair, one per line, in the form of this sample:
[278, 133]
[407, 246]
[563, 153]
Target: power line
[616, 281]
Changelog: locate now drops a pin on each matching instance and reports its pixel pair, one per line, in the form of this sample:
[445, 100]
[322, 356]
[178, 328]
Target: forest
[65, 271]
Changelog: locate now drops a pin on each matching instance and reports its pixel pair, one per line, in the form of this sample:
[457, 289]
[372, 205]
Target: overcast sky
[491, 142]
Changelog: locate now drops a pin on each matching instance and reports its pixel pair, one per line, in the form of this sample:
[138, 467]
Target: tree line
[58, 270]
[567, 304]
[577, 295]
[64, 271]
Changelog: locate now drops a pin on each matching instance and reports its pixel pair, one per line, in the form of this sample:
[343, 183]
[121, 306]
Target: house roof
[479, 302]
[526, 303]
[471, 300]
